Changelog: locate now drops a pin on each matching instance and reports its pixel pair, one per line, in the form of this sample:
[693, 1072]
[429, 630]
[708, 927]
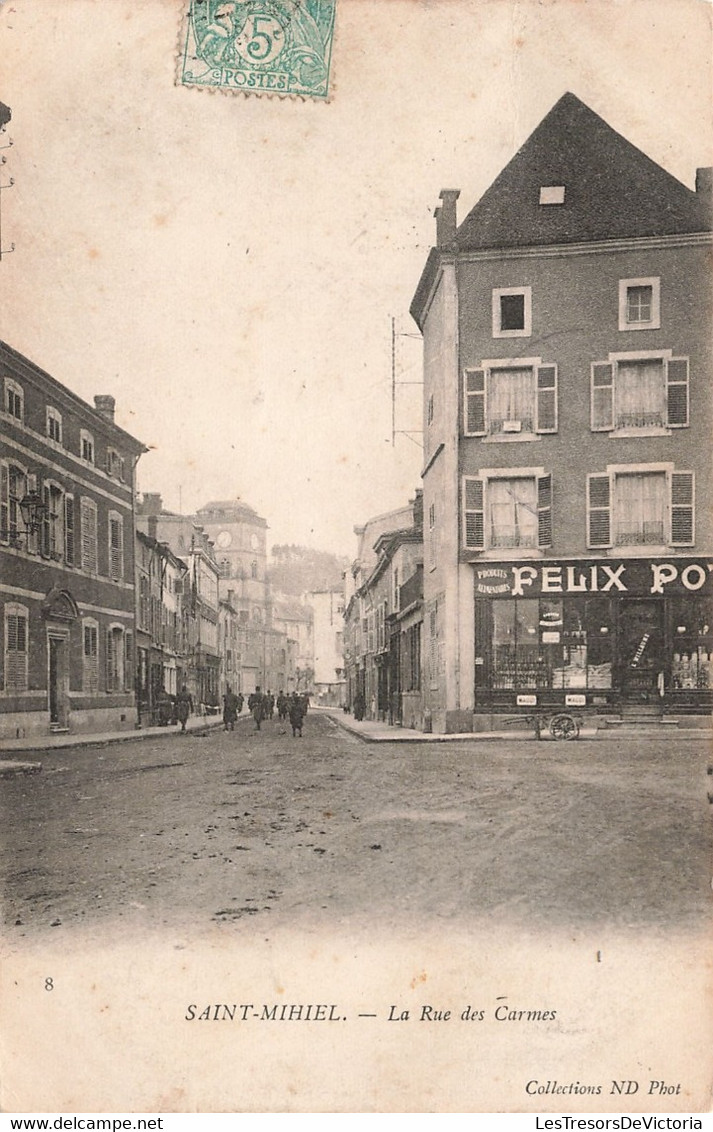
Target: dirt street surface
[252, 831]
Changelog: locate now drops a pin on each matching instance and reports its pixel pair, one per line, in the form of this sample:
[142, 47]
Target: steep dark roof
[612, 189]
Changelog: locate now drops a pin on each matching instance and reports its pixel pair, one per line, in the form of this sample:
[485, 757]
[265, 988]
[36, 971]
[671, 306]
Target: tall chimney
[704, 189]
[105, 404]
[445, 216]
[153, 526]
[151, 503]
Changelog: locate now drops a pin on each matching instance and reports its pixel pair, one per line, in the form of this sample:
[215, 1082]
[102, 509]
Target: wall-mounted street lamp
[33, 511]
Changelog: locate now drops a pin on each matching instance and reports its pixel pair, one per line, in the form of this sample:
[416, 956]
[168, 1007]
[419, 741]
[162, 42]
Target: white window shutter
[474, 385]
[546, 398]
[602, 396]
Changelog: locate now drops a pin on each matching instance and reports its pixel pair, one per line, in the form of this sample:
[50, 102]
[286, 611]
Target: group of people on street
[294, 705]
[261, 705]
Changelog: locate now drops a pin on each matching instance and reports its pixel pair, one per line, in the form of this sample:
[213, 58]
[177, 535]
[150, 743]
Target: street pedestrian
[184, 707]
[256, 705]
[297, 712]
[359, 706]
[269, 704]
[230, 712]
[239, 701]
[282, 705]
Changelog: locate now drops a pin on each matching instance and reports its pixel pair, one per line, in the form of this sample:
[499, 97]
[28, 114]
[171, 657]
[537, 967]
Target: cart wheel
[564, 727]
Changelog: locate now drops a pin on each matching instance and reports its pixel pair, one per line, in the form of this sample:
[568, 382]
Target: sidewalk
[38, 743]
[371, 731]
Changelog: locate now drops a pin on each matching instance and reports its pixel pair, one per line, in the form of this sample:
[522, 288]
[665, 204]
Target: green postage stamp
[278, 47]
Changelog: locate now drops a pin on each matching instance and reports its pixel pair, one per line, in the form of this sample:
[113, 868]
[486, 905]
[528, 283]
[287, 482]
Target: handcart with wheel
[560, 724]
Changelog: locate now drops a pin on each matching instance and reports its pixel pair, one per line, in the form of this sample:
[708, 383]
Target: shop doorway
[641, 651]
[58, 683]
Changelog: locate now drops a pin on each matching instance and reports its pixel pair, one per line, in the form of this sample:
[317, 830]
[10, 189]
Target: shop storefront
[597, 634]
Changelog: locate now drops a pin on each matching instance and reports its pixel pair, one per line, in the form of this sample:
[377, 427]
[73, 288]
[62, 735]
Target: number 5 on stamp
[281, 47]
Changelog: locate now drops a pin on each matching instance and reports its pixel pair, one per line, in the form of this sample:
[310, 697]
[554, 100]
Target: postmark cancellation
[268, 47]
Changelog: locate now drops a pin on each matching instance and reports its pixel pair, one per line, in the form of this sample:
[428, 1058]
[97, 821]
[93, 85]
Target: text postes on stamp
[279, 47]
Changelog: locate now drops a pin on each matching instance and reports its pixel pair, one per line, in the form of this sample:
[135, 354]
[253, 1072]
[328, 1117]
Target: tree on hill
[299, 569]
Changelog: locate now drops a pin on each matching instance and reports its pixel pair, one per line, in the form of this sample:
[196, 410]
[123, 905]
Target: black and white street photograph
[356, 557]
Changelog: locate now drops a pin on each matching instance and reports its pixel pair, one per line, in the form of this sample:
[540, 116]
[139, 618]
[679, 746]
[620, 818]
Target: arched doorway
[59, 610]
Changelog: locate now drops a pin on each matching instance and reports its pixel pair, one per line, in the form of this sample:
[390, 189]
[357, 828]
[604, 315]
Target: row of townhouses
[566, 553]
[110, 604]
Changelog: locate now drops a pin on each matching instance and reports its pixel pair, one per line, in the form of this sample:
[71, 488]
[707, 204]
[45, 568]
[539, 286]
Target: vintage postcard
[356, 556]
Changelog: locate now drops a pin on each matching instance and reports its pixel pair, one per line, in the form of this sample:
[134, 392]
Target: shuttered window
[677, 392]
[640, 393]
[598, 510]
[641, 508]
[16, 647]
[52, 521]
[507, 400]
[546, 399]
[128, 662]
[507, 512]
[14, 399]
[86, 446]
[116, 546]
[474, 412]
[682, 507]
[544, 511]
[473, 513]
[90, 669]
[115, 659]
[54, 424]
[69, 529]
[602, 396]
[4, 504]
[89, 535]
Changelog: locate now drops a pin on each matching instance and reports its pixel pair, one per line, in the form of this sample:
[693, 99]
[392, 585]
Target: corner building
[567, 423]
[67, 475]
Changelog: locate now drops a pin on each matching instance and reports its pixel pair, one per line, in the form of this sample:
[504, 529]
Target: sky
[228, 267]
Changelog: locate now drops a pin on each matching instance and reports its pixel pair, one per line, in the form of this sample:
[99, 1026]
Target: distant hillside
[298, 569]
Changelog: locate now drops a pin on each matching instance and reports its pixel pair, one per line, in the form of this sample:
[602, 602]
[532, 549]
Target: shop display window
[691, 644]
[551, 643]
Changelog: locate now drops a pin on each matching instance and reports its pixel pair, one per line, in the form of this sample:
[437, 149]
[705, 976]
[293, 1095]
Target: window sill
[510, 437]
[509, 554]
[639, 550]
[656, 325]
[628, 433]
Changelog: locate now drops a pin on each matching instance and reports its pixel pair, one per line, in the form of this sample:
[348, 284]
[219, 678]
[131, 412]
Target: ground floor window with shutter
[640, 507]
[115, 658]
[16, 647]
[507, 510]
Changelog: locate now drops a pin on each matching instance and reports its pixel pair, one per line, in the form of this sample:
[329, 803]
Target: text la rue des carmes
[331, 1012]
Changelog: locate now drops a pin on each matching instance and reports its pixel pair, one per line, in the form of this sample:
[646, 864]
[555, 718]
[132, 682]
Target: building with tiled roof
[567, 423]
